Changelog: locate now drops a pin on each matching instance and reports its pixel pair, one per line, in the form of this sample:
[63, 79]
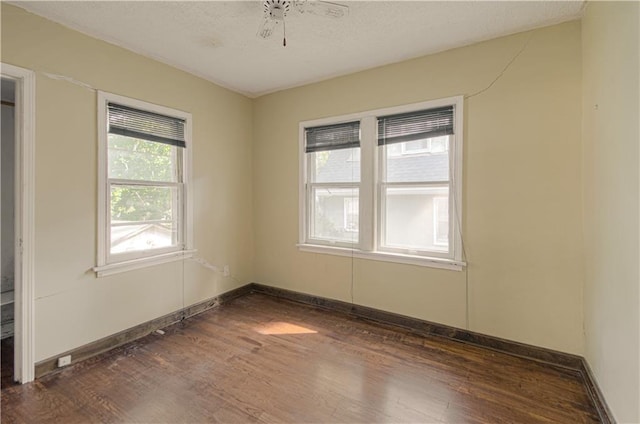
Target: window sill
[124, 266]
[385, 257]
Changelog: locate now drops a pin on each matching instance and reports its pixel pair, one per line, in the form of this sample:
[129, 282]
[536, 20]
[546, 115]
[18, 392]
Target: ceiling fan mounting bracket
[276, 9]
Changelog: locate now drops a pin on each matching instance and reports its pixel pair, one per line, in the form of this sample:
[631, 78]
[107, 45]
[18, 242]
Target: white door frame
[24, 342]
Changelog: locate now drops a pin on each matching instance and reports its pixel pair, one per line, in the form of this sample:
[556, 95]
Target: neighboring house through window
[384, 184]
[144, 216]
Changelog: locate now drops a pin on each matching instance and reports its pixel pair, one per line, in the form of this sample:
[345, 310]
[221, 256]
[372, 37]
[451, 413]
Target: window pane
[335, 166]
[140, 203]
[418, 160]
[351, 213]
[136, 159]
[441, 221]
[143, 217]
[334, 214]
[417, 146]
[144, 236]
[416, 218]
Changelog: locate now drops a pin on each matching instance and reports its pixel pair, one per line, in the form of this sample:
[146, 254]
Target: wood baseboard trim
[426, 328]
[97, 347]
[606, 417]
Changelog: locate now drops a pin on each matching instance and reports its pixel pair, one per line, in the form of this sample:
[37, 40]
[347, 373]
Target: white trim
[385, 257]
[24, 349]
[103, 207]
[187, 187]
[118, 267]
[455, 168]
[302, 189]
[107, 263]
[367, 185]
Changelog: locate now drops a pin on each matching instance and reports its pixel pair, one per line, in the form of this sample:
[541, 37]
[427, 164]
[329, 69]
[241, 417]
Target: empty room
[320, 212]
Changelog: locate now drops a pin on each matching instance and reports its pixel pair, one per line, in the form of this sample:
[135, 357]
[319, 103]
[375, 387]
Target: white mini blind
[418, 125]
[131, 122]
[332, 137]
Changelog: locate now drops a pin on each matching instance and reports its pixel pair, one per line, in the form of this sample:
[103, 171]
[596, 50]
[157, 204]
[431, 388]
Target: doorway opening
[7, 230]
[17, 181]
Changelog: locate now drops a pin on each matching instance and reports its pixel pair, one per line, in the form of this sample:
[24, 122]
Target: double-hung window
[143, 184]
[333, 191]
[385, 184]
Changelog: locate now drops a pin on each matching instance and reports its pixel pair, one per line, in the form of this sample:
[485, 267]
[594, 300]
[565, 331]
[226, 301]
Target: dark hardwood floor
[262, 359]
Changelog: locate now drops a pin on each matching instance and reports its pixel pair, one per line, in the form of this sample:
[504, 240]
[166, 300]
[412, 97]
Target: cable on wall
[456, 212]
[183, 295]
[352, 241]
[456, 207]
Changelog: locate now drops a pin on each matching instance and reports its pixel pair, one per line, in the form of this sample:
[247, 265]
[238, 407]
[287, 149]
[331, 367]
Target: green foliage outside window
[136, 159]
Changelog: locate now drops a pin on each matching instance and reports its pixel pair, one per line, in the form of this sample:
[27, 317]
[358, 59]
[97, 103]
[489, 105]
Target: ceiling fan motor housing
[277, 9]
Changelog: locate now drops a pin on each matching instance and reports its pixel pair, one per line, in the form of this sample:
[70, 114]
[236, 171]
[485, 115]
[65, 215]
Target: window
[333, 182]
[384, 184]
[144, 157]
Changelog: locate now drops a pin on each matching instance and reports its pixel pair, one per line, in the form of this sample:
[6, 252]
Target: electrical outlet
[64, 361]
[226, 271]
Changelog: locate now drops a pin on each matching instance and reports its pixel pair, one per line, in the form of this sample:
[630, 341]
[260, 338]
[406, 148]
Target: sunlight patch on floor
[279, 327]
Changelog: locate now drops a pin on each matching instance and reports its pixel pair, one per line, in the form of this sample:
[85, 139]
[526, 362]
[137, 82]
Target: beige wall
[522, 199]
[610, 158]
[72, 306]
[523, 190]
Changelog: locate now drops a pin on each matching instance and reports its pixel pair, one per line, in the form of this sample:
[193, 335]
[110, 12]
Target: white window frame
[367, 247]
[108, 264]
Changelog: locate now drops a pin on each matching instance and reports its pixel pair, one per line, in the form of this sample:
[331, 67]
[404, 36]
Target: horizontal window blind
[418, 125]
[130, 122]
[332, 137]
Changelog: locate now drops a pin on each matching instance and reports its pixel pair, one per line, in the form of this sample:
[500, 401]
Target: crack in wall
[504, 70]
[69, 80]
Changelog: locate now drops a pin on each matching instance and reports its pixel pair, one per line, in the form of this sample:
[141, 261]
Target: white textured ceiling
[217, 40]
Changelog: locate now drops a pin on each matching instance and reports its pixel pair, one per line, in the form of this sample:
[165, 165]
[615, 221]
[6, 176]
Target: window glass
[329, 219]
[415, 168]
[137, 159]
[441, 221]
[143, 217]
[409, 218]
[145, 236]
[335, 166]
[351, 213]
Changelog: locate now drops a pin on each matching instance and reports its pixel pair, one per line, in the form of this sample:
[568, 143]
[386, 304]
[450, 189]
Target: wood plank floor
[262, 359]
